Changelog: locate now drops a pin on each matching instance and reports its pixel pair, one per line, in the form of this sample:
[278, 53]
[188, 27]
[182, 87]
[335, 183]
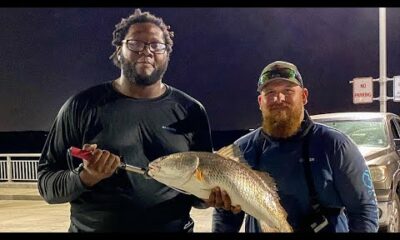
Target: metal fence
[19, 166]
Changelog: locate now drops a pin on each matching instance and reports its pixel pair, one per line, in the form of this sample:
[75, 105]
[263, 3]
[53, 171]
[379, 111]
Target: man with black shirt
[136, 117]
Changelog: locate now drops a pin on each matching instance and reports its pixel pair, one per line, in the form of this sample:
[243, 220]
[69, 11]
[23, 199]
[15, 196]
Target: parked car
[377, 135]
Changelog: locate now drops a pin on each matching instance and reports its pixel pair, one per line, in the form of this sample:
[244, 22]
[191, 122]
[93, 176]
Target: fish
[197, 173]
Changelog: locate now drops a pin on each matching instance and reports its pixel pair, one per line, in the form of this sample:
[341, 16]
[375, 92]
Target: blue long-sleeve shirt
[339, 171]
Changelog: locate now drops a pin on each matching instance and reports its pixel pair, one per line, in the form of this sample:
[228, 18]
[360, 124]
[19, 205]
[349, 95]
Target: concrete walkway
[23, 210]
[38, 216]
[33, 216]
[19, 191]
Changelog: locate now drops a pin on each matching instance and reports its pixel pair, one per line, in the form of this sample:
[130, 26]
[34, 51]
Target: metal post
[382, 59]
[9, 169]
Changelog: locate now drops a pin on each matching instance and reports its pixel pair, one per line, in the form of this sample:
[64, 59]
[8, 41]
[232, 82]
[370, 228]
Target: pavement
[22, 209]
[19, 191]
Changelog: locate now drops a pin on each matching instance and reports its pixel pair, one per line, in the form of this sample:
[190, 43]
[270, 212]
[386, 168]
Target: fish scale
[198, 172]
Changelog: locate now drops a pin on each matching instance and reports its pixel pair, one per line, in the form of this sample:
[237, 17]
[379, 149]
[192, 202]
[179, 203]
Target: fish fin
[203, 193]
[267, 228]
[199, 175]
[232, 152]
[269, 180]
[264, 227]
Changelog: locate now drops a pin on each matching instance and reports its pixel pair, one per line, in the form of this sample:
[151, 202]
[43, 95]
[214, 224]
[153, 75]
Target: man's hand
[102, 164]
[221, 199]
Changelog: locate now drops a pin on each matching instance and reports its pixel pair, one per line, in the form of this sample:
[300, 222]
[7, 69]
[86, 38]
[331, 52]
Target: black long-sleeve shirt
[139, 130]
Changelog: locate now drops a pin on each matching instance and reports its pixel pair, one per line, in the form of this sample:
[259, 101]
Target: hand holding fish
[226, 180]
[221, 199]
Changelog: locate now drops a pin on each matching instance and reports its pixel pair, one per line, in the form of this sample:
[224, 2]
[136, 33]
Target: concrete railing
[19, 166]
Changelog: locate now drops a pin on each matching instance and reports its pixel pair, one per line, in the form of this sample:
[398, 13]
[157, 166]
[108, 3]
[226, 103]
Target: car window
[394, 129]
[368, 132]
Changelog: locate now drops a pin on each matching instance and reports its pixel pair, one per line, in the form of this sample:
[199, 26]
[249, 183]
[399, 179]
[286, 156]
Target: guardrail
[19, 166]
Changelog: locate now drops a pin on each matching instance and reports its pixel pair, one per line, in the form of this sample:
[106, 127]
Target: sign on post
[396, 88]
[362, 90]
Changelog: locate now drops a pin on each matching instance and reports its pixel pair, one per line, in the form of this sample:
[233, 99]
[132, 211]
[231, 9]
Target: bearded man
[321, 177]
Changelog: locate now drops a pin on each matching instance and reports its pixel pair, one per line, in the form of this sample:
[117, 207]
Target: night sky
[48, 54]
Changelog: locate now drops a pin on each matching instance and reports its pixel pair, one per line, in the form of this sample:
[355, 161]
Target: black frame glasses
[138, 46]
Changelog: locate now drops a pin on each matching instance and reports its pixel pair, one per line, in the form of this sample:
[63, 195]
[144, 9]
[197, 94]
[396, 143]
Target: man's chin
[279, 115]
[145, 73]
[281, 123]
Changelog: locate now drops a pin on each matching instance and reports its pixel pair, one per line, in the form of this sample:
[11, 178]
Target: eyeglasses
[280, 73]
[138, 46]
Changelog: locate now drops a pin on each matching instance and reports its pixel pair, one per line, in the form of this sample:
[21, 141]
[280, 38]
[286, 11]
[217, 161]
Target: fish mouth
[153, 170]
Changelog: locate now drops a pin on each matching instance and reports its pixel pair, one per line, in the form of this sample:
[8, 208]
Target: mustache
[279, 106]
[134, 65]
[144, 61]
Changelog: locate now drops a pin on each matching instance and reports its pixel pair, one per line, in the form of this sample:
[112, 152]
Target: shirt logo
[367, 181]
[169, 129]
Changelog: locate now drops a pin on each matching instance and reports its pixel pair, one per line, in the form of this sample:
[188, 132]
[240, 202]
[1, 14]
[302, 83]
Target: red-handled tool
[84, 154]
[79, 153]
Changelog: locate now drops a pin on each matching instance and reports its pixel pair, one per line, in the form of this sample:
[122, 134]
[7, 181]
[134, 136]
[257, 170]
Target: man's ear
[305, 96]
[259, 98]
[119, 54]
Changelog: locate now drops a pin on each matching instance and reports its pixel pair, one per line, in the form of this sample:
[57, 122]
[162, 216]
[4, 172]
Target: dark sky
[48, 54]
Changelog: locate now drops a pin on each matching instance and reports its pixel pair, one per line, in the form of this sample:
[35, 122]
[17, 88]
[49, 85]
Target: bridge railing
[19, 167]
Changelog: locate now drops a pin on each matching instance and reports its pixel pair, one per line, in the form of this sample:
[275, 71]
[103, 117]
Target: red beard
[282, 121]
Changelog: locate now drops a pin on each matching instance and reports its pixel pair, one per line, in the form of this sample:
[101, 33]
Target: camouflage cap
[279, 70]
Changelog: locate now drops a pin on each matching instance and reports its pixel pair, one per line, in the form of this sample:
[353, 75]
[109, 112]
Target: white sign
[396, 88]
[362, 90]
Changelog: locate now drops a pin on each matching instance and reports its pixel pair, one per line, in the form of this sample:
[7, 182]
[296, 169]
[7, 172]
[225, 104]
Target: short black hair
[122, 28]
